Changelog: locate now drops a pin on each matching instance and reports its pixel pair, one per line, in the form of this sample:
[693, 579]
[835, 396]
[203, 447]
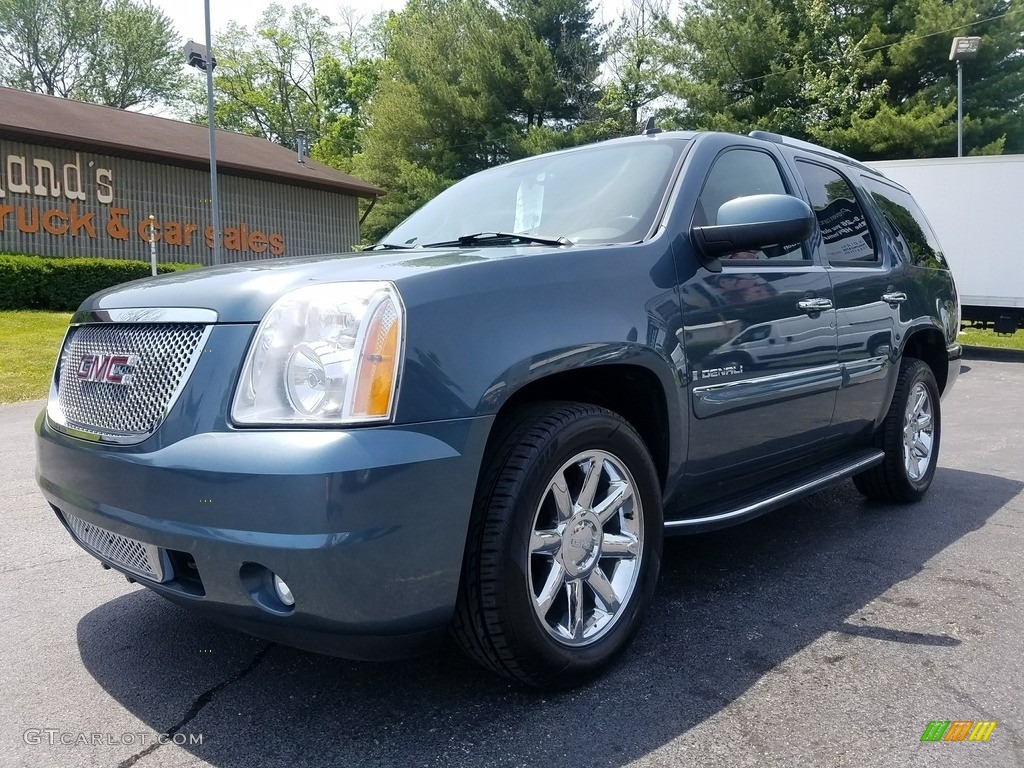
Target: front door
[760, 343]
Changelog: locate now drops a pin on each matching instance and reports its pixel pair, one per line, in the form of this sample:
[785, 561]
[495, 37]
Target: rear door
[867, 286]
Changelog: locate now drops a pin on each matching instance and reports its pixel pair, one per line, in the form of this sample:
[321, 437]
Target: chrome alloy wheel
[585, 548]
[918, 432]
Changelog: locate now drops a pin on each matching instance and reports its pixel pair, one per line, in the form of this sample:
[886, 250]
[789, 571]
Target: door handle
[893, 298]
[814, 305]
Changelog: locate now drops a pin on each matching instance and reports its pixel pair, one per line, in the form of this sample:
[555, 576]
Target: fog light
[284, 594]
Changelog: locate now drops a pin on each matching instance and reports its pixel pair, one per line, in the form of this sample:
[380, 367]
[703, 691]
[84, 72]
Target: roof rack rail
[788, 141]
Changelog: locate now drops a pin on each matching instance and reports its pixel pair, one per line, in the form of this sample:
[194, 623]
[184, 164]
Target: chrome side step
[861, 462]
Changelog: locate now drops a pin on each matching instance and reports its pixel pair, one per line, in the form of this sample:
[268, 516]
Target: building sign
[63, 195]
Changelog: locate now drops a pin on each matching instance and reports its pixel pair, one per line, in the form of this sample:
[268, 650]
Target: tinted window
[914, 238]
[739, 173]
[602, 194]
[844, 227]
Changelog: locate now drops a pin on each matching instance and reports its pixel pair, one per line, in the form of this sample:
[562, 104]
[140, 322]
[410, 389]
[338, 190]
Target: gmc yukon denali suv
[485, 424]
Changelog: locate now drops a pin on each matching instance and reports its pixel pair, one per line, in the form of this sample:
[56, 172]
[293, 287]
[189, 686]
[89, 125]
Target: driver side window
[739, 173]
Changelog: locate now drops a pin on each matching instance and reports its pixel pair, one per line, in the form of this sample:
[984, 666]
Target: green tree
[867, 77]
[465, 85]
[119, 53]
[734, 67]
[556, 45]
[297, 72]
[912, 109]
[636, 65]
[441, 110]
[266, 79]
[346, 90]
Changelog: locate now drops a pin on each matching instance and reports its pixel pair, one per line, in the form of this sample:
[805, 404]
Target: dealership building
[83, 180]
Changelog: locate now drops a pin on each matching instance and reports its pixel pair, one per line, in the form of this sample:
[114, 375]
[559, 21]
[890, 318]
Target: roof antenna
[651, 129]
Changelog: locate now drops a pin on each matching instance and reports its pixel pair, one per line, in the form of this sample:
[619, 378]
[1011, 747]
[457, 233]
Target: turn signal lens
[378, 363]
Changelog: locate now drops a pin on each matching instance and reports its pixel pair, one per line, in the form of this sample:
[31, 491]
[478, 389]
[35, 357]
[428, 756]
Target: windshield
[606, 193]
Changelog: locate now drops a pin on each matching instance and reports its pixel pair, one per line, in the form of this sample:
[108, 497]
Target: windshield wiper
[391, 247]
[481, 238]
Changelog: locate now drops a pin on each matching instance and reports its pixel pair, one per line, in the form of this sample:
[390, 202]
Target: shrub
[61, 284]
[21, 279]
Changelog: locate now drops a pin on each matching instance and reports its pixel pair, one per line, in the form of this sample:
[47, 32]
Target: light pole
[201, 57]
[964, 49]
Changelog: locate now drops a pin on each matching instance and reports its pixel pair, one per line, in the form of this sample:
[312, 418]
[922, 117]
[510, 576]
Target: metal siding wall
[310, 221]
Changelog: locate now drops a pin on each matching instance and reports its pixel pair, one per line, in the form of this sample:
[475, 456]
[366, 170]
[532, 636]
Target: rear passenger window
[844, 227]
[915, 240]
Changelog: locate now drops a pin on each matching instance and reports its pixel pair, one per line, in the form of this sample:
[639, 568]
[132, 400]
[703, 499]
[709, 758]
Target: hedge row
[61, 284]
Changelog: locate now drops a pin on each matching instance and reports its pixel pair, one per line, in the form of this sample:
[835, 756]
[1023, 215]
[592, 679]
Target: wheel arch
[633, 391]
[929, 344]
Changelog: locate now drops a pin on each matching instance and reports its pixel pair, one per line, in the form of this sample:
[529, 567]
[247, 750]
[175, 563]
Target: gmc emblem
[108, 369]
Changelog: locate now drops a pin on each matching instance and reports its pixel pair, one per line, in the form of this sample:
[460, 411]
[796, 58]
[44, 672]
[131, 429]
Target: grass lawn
[978, 338]
[29, 342]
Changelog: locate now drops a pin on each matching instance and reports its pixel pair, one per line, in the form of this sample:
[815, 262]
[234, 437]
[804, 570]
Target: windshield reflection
[598, 194]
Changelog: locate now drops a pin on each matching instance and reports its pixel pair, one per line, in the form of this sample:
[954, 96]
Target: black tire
[893, 480]
[499, 621]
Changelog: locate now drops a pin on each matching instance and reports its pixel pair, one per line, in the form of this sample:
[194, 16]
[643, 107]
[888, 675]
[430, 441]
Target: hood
[242, 293]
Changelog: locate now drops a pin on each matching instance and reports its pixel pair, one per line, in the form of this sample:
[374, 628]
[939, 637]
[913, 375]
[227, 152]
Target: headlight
[324, 354]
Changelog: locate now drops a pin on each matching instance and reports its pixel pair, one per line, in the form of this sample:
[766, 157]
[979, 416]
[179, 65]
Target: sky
[188, 15]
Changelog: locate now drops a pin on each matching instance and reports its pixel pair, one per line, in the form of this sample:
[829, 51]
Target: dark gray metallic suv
[486, 425]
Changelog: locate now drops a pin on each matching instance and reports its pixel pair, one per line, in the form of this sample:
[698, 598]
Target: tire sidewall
[593, 431]
[920, 373]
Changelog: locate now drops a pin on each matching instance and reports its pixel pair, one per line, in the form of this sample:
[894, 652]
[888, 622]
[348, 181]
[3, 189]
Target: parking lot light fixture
[963, 49]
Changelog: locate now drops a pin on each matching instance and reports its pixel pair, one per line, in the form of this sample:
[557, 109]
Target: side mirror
[751, 224]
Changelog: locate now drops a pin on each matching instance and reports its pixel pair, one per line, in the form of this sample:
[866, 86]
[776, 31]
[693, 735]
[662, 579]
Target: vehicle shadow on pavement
[731, 606]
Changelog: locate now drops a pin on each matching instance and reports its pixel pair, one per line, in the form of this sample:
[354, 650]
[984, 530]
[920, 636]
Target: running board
[831, 474]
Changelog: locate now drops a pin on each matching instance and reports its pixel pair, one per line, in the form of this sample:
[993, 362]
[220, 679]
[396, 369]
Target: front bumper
[366, 526]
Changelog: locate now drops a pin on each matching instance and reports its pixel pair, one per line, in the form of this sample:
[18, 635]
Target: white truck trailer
[976, 207]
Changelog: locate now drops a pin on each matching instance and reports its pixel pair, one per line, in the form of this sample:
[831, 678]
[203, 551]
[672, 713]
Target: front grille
[163, 356]
[134, 556]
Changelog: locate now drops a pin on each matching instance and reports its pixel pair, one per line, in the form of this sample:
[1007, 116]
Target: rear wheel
[910, 438]
[565, 546]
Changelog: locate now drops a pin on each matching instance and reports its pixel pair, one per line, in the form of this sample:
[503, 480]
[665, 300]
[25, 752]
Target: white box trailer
[976, 207]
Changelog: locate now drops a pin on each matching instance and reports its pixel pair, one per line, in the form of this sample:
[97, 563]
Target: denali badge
[109, 369]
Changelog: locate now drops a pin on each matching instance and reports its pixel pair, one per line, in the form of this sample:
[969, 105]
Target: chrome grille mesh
[166, 354]
[141, 559]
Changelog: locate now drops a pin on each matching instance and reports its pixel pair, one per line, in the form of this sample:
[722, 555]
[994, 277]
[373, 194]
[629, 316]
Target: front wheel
[565, 546]
[910, 438]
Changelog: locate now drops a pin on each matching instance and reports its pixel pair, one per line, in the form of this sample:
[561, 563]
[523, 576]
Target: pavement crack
[15, 569]
[197, 706]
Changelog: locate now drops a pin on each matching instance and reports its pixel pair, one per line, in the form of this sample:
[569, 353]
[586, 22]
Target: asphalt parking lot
[828, 633]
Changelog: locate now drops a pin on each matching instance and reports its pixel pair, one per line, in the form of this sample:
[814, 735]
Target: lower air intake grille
[134, 556]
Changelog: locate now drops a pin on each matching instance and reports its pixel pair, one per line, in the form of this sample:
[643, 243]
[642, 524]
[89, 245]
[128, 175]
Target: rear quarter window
[913, 235]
